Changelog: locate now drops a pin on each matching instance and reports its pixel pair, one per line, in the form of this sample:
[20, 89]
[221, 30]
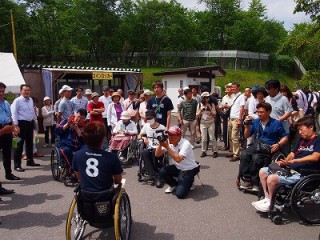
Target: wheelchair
[143, 174]
[274, 158]
[303, 198]
[109, 208]
[60, 168]
[133, 151]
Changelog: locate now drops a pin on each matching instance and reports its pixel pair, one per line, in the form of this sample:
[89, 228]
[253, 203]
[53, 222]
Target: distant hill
[244, 77]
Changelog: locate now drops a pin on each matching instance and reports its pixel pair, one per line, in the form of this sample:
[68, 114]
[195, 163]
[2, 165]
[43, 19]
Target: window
[165, 85]
[181, 84]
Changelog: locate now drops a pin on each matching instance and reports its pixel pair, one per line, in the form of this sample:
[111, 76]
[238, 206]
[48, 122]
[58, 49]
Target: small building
[202, 78]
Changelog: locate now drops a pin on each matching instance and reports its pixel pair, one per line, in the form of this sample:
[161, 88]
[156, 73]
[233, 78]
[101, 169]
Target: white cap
[147, 92]
[60, 91]
[88, 92]
[125, 115]
[95, 94]
[66, 88]
[46, 98]
[185, 88]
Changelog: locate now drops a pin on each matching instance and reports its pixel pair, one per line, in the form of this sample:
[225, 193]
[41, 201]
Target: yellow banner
[102, 75]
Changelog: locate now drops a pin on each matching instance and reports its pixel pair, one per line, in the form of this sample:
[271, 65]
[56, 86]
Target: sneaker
[170, 189]
[263, 207]
[262, 201]
[192, 187]
[203, 154]
[45, 146]
[246, 184]
[215, 154]
[255, 188]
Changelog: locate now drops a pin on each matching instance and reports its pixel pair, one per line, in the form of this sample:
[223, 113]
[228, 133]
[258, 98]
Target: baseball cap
[175, 130]
[66, 88]
[148, 92]
[95, 94]
[46, 98]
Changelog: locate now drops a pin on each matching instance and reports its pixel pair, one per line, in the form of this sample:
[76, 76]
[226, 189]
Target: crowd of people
[254, 126]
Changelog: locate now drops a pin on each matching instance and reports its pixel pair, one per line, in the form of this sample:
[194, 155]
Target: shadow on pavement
[201, 193]
[28, 219]
[22, 201]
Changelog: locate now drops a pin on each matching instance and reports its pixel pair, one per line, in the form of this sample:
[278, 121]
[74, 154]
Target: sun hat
[115, 94]
[205, 94]
[95, 94]
[148, 92]
[88, 92]
[46, 98]
[125, 115]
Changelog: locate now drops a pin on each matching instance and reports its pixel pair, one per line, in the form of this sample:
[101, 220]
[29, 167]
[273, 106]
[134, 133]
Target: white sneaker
[263, 207]
[262, 201]
[192, 187]
[46, 145]
[170, 189]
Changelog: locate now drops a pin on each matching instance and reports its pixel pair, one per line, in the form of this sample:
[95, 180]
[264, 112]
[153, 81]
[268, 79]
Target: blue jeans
[185, 179]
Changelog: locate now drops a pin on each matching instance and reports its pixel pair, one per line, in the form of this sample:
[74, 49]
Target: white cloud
[280, 10]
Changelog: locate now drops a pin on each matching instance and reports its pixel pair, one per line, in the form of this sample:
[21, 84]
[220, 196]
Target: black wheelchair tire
[54, 162]
[301, 199]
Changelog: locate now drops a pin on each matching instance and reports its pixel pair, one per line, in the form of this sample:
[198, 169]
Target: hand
[146, 141]
[275, 147]
[181, 122]
[7, 129]
[16, 131]
[164, 144]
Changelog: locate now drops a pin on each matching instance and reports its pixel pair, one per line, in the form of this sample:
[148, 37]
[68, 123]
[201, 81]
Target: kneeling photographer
[269, 137]
[184, 165]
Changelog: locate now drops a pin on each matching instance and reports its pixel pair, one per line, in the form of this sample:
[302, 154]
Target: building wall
[172, 84]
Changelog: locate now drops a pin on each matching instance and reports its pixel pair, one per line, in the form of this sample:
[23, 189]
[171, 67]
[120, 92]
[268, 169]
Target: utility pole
[13, 36]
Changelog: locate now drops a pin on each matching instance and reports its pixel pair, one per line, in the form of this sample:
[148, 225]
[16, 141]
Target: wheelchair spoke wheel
[54, 161]
[305, 199]
[122, 216]
[75, 225]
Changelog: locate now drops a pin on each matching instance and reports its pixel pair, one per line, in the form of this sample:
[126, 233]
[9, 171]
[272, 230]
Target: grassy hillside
[244, 77]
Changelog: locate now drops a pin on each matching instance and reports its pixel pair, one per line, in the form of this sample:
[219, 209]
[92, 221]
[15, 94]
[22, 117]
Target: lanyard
[302, 142]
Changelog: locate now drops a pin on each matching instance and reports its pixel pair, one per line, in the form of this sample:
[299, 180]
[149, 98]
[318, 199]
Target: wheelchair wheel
[305, 199]
[55, 160]
[122, 216]
[75, 225]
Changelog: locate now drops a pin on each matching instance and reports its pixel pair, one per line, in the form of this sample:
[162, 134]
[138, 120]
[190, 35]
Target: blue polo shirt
[272, 133]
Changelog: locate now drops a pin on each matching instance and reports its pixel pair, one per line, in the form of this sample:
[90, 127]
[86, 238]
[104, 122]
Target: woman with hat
[124, 129]
[49, 124]
[95, 108]
[206, 112]
[114, 110]
[259, 93]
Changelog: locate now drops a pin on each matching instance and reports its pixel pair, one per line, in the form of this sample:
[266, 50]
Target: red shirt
[91, 106]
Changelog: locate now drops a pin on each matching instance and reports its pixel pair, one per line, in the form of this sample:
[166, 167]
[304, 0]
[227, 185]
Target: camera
[248, 122]
[163, 137]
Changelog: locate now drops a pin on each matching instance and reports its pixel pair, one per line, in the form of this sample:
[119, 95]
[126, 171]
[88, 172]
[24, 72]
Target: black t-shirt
[160, 106]
[96, 168]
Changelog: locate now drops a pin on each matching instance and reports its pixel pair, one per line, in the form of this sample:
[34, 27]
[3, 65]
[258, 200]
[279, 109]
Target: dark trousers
[225, 130]
[6, 145]
[52, 130]
[151, 162]
[108, 129]
[26, 135]
[250, 164]
[185, 179]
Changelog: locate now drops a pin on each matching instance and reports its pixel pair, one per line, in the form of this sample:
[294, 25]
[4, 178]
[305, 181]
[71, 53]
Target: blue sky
[280, 10]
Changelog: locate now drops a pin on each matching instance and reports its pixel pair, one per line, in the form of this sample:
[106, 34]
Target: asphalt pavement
[217, 210]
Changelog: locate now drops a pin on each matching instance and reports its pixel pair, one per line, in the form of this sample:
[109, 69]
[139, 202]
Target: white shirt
[143, 109]
[128, 106]
[184, 148]
[302, 101]
[252, 108]
[106, 101]
[151, 134]
[22, 109]
[131, 128]
[239, 101]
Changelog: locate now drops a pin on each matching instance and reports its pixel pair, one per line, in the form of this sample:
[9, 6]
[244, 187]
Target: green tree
[310, 7]
[221, 14]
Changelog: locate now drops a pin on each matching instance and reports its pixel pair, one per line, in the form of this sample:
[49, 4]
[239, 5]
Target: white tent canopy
[10, 73]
